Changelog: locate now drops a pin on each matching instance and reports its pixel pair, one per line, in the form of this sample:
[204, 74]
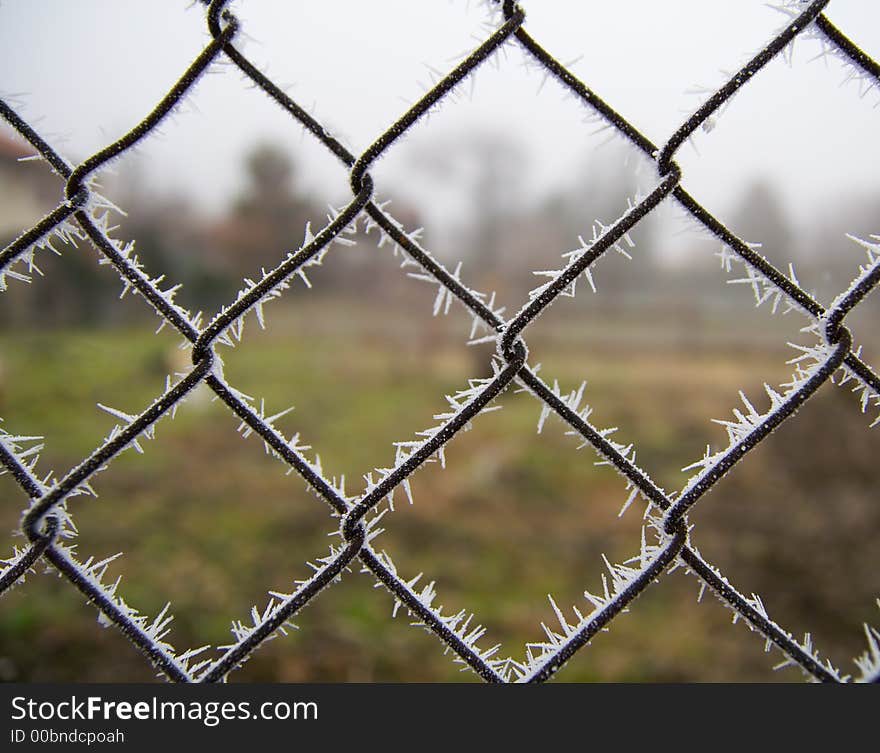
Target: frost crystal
[67, 233]
[765, 290]
[804, 650]
[869, 662]
[460, 624]
[852, 73]
[615, 583]
[623, 247]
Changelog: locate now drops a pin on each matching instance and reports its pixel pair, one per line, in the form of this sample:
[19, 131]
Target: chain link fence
[667, 544]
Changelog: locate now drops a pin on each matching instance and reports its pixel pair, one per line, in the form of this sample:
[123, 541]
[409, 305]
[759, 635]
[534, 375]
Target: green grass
[211, 522]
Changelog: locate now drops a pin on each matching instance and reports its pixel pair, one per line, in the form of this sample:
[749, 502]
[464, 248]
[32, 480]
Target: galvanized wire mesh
[47, 521]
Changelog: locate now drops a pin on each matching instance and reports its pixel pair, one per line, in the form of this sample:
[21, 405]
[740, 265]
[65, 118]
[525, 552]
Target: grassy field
[209, 521]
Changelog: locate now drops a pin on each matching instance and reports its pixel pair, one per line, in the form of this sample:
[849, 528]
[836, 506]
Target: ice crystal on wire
[844, 375]
[865, 82]
[704, 93]
[445, 296]
[869, 662]
[458, 402]
[763, 287]
[804, 649]
[766, 290]
[293, 444]
[461, 624]
[433, 273]
[278, 602]
[23, 266]
[792, 9]
[133, 274]
[12, 561]
[858, 288]
[623, 246]
[615, 583]
[155, 631]
[872, 248]
[746, 419]
[243, 630]
[24, 452]
[91, 572]
[17, 446]
[270, 291]
[625, 453]
[149, 432]
[494, 13]
[867, 396]
[867, 271]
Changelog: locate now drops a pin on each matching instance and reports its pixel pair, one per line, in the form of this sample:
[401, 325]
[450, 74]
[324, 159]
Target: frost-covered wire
[84, 215]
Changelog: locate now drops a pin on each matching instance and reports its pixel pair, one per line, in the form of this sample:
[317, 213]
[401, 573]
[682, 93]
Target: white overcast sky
[86, 70]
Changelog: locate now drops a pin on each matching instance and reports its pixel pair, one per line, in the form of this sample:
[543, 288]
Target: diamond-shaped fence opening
[545, 533]
[357, 517]
[213, 245]
[771, 222]
[93, 370]
[182, 533]
[328, 356]
[808, 503]
[661, 360]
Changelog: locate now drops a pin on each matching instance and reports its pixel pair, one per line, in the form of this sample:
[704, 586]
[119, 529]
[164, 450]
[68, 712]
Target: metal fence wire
[47, 522]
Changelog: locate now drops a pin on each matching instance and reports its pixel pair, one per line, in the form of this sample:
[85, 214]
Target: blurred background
[503, 177]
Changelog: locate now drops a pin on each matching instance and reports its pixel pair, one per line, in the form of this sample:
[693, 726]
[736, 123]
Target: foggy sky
[84, 72]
